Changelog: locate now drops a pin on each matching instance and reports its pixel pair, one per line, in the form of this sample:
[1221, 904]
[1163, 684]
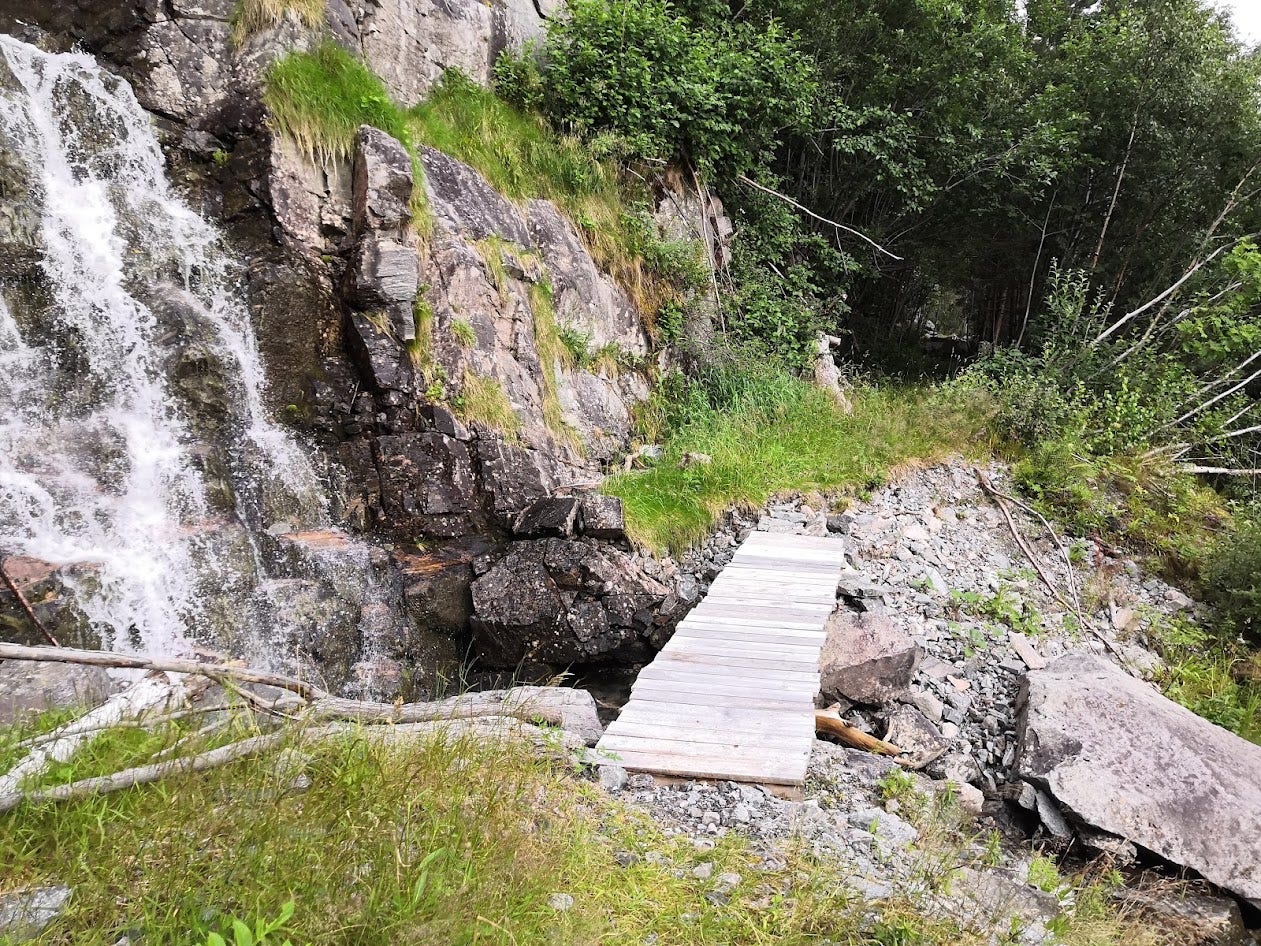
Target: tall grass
[523, 157]
[482, 401]
[553, 357]
[252, 16]
[769, 433]
[320, 98]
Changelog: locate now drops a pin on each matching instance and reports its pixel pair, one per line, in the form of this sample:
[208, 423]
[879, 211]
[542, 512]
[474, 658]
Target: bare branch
[810, 213]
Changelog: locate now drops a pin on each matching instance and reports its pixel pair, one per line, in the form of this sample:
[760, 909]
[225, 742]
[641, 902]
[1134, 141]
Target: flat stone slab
[1117, 755]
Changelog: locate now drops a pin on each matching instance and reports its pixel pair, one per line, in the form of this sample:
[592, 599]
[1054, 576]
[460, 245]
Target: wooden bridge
[731, 696]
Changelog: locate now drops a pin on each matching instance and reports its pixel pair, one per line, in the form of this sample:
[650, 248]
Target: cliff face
[377, 342]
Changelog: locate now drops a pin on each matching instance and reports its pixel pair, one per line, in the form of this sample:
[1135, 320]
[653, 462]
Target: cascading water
[133, 435]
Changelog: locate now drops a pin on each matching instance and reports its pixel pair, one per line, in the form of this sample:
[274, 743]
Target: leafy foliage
[716, 91]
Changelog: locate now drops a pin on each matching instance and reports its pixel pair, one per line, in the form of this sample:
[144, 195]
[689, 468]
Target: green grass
[446, 840]
[1206, 675]
[554, 356]
[252, 16]
[452, 841]
[787, 437]
[482, 401]
[320, 98]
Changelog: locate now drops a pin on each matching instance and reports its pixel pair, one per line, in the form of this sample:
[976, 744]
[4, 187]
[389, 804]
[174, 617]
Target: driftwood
[830, 722]
[143, 775]
[527, 703]
[137, 700]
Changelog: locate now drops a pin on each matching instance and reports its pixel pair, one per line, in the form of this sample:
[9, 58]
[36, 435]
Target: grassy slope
[801, 444]
[449, 841]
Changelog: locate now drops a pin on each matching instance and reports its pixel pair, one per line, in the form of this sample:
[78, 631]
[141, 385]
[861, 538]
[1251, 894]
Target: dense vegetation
[1073, 193]
[446, 839]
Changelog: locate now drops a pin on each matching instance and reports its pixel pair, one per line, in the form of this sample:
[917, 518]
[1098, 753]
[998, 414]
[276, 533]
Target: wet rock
[567, 601]
[1120, 757]
[512, 476]
[551, 515]
[864, 659]
[25, 913]
[427, 484]
[602, 517]
[919, 740]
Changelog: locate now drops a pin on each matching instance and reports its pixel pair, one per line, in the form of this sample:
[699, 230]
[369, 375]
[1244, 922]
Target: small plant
[220, 157]
[1045, 874]
[260, 935]
[464, 333]
[992, 855]
[897, 785]
[577, 342]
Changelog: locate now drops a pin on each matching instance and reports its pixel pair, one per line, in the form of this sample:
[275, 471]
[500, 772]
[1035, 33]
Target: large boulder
[1118, 756]
[562, 601]
[28, 688]
[865, 659]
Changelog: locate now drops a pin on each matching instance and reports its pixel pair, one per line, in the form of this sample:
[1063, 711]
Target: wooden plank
[775, 755]
[731, 696]
[800, 689]
[688, 697]
[721, 643]
[718, 634]
[750, 664]
[730, 767]
[715, 735]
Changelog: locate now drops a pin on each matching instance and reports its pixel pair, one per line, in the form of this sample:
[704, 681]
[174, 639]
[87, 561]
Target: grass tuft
[522, 157]
[253, 16]
[553, 357]
[320, 98]
[482, 401]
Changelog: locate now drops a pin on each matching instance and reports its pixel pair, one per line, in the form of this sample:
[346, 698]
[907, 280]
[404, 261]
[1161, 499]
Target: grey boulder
[1118, 756]
[864, 659]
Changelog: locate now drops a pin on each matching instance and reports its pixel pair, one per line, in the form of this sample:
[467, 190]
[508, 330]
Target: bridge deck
[731, 696]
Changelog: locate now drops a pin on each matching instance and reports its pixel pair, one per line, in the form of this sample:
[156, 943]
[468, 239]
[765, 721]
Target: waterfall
[133, 434]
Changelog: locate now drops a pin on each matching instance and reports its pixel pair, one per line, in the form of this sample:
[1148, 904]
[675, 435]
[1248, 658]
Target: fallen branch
[144, 774]
[529, 704]
[1069, 578]
[830, 722]
[135, 701]
[990, 491]
[149, 722]
[26, 605]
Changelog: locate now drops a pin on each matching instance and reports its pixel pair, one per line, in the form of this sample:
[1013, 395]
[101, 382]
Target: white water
[98, 465]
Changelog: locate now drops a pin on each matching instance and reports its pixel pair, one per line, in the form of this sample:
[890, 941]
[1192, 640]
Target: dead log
[556, 706]
[830, 722]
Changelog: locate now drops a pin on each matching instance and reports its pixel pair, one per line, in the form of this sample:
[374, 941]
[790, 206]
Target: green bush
[718, 92]
[1233, 576]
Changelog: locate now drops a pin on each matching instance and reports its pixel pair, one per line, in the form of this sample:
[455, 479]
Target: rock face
[375, 341]
[29, 688]
[864, 659]
[558, 602]
[1117, 755]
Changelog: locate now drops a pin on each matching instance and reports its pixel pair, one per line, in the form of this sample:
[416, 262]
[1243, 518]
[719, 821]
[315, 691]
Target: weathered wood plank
[731, 696]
